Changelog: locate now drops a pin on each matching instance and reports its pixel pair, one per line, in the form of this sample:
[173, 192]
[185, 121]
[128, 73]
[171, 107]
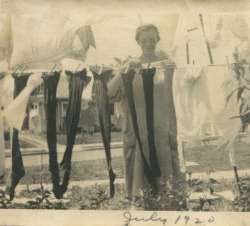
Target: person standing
[163, 121]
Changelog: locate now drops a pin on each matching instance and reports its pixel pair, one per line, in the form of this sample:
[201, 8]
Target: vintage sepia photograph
[134, 111]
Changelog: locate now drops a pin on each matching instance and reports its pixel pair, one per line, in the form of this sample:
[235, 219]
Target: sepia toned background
[34, 23]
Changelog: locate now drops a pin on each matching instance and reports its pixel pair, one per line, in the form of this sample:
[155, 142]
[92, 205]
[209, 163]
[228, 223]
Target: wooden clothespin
[21, 71]
[100, 71]
[148, 66]
[77, 68]
[52, 69]
[126, 71]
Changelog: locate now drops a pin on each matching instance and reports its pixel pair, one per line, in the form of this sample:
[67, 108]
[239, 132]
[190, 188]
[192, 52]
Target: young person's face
[147, 41]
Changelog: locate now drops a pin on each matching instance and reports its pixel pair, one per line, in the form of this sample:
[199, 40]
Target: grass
[211, 160]
[22, 143]
[86, 170]
[206, 157]
[83, 138]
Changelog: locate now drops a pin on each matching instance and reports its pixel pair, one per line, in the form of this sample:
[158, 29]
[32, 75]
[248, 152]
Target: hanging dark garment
[76, 85]
[128, 87]
[17, 169]
[100, 96]
[148, 87]
[50, 103]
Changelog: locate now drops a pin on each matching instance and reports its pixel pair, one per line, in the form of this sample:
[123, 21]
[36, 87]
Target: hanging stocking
[148, 87]
[127, 80]
[50, 87]
[76, 84]
[100, 96]
[17, 169]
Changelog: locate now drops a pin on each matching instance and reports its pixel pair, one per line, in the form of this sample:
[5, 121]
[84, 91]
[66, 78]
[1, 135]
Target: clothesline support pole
[187, 45]
[187, 50]
[207, 43]
[237, 178]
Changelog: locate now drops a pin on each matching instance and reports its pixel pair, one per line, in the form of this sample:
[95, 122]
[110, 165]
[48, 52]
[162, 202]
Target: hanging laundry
[76, 85]
[148, 87]
[100, 97]
[17, 169]
[200, 101]
[6, 38]
[191, 99]
[47, 50]
[20, 103]
[2, 148]
[50, 87]
[2, 145]
[88, 112]
[128, 89]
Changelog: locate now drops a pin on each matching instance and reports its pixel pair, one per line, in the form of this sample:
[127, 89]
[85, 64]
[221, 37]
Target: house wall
[38, 124]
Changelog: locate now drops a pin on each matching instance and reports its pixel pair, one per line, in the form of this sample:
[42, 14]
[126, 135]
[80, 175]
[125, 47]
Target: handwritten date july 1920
[155, 218]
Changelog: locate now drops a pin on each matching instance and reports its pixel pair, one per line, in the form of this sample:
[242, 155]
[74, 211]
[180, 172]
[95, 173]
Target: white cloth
[6, 38]
[200, 102]
[16, 110]
[223, 33]
[46, 49]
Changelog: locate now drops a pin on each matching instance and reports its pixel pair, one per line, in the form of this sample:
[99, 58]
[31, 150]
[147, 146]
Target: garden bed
[96, 197]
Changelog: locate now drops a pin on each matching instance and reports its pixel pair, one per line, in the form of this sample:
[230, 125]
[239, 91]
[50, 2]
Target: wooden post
[207, 43]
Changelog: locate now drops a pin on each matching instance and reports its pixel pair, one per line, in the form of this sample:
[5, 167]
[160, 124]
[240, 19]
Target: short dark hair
[145, 28]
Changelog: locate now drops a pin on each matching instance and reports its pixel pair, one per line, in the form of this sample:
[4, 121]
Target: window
[34, 106]
[40, 88]
[64, 108]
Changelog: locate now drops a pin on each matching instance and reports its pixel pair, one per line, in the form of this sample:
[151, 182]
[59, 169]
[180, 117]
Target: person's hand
[131, 64]
[168, 63]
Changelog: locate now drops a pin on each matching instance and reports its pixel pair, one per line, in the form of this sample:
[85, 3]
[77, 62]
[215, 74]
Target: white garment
[191, 102]
[223, 33]
[16, 110]
[6, 38]
[48, 49]
[200, 104]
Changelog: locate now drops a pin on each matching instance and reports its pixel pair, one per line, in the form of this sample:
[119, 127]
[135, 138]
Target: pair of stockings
[76, 84]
